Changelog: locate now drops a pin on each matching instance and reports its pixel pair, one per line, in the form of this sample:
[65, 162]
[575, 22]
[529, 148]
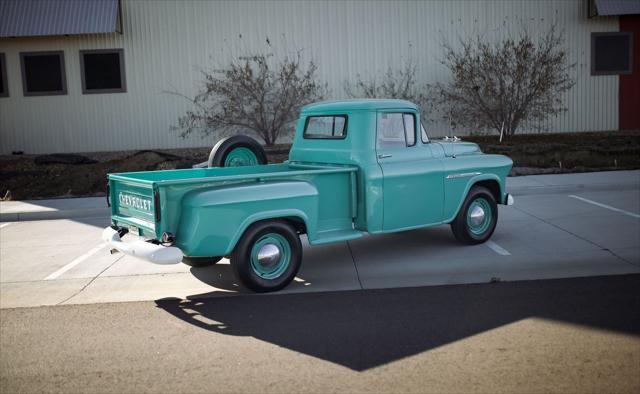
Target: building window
[43, 73]
[102, 71]
[611, 53]
[4, 89]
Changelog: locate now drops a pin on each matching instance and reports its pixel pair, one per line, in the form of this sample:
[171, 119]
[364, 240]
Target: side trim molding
[463, 175]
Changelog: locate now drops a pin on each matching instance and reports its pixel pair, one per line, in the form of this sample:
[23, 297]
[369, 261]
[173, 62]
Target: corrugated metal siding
[27, 18]
[167, 43]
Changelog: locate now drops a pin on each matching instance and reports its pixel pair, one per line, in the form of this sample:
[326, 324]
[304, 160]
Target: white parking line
[497, 248]
[3, 225]
[75, 262]
[634, 215]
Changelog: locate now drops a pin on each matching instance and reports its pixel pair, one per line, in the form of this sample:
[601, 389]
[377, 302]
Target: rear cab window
[325, 127]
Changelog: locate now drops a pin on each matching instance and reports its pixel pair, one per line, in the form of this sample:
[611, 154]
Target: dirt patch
[23, 179]
[559, 153]
[532, 154]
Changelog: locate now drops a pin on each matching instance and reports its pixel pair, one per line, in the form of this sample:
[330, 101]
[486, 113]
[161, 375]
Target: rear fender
[213, 219]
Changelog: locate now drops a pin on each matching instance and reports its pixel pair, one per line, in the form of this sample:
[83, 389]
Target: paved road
[561, 226]
[565, 335]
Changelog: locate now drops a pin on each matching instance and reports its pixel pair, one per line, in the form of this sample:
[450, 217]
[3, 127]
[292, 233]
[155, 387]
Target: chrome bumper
[156, 254]
[509, 200]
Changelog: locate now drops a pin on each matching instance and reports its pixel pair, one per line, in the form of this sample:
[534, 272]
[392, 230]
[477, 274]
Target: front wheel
[268, 256]
[477, 217]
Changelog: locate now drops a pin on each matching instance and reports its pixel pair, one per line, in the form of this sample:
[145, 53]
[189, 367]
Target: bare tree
[499, 86]
[259, 93]
[394, 84]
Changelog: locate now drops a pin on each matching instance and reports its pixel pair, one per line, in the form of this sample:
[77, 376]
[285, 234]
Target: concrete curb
[60, 208]
[554, 189]
[54, 214]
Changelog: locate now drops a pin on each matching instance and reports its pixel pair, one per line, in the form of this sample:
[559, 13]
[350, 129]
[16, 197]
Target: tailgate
[133, 204]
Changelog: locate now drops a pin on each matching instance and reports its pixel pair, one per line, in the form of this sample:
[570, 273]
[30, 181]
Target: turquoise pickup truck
[355, 167]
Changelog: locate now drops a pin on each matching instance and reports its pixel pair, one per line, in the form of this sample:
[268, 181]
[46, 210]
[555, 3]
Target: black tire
[465, 231]
[241, 259]
[201, 261]
[221, 150]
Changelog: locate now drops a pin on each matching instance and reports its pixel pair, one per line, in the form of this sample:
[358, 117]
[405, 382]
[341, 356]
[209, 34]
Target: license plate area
[134, 230]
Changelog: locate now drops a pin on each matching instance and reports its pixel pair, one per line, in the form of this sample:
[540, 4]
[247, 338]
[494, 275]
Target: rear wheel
[477, 218]
[268, 256]
[237, 151]
[200, 261]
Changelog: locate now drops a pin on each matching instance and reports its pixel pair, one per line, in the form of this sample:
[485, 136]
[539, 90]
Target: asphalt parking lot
[561, 226]
[551, 304]
[561, 335]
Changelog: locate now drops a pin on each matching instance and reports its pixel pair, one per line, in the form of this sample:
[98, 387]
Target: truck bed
[151, 202]
[227, 174]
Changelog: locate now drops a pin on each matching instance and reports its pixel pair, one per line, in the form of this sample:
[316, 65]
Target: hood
[458, 148]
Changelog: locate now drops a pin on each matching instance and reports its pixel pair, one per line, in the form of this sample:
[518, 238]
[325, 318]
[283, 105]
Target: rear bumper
[156, 254]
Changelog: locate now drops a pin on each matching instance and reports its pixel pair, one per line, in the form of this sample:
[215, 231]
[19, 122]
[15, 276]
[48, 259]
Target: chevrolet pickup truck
[355, 167]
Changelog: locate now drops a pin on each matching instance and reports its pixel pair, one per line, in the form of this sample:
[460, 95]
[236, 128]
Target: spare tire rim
[479, 216]
[270, 256]
[240, 157]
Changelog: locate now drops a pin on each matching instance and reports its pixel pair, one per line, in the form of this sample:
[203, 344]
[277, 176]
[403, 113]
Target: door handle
[383, 156]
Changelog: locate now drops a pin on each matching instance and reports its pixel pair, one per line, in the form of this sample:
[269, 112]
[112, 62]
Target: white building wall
[167, 43]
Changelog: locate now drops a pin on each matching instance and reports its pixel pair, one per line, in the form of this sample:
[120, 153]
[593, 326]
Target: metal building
[80, 76]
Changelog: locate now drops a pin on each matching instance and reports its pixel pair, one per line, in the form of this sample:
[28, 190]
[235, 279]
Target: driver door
[412, 176]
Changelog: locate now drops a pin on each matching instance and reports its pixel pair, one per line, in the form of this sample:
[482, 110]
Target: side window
[410, 129]
[423, 134]
[326, 127]
[396, 130]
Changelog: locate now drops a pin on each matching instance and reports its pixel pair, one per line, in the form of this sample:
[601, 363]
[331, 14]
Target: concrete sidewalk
[70, 208]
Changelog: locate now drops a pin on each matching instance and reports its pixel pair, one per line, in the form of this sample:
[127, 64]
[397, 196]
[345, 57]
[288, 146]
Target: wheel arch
[296, 218]
[494, 187]
[490, 181]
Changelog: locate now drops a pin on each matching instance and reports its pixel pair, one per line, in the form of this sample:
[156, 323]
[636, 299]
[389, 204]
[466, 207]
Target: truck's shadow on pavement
[332, 267]
[367, 328]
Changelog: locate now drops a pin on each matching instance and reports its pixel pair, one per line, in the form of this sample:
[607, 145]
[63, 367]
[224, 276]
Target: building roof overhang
[33, 18]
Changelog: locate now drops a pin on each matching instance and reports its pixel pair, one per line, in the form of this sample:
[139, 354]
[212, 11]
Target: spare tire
[237, 151]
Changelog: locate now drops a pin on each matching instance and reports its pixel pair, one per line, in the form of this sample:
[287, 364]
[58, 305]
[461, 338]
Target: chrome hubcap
[476, 217]
[269, 255]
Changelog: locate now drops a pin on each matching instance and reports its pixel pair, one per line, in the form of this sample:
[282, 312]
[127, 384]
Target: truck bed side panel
[335, 208]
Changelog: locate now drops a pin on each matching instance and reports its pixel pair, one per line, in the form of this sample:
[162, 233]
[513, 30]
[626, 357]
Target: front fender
[453, 205]
[214, 219]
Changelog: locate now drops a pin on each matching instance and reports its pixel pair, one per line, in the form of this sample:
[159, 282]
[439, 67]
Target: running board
[326, 237]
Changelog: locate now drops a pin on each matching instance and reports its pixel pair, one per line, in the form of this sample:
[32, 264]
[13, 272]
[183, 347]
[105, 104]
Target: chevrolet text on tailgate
[355, 167]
